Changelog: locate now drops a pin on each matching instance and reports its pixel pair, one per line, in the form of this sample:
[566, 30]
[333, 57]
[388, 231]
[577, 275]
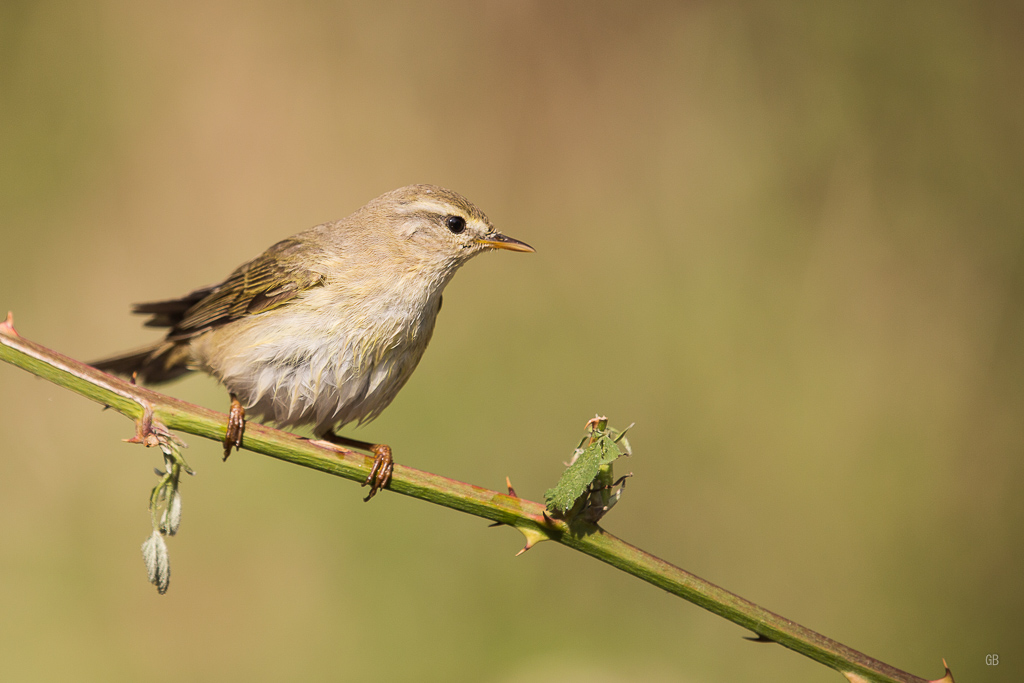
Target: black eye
[455, 223]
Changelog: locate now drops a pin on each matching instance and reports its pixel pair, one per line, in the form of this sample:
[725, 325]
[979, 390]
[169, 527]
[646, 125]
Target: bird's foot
[383, 463]
[236, 427]
[383, 466]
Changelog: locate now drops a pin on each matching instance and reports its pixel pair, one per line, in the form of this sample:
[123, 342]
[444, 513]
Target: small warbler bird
[325, 327]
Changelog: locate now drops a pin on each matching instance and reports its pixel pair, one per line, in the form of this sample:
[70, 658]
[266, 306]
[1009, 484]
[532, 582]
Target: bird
[325, 327]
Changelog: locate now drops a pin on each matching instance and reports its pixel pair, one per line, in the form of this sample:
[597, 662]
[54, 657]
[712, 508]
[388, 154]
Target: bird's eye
[455, 223]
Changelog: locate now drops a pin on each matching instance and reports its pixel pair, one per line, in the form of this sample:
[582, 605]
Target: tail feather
[154, 364]
[166, 359]
[170, 312]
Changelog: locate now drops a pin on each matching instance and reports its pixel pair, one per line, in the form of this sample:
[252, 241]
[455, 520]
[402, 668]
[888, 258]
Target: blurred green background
[783, 238]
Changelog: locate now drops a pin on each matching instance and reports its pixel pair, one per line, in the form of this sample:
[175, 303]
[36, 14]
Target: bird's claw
[383, 466]
[236, 427]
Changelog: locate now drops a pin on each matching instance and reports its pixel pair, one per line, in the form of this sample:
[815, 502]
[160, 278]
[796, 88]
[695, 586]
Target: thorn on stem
[948, 678]
[7, 326]
[533, 537]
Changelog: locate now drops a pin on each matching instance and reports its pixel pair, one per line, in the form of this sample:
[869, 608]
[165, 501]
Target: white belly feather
[299, 364]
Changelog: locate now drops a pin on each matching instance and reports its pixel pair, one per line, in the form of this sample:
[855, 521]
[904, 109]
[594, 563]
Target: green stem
[153, 411]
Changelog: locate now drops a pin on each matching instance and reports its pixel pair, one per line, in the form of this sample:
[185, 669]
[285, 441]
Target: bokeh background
[785, 239]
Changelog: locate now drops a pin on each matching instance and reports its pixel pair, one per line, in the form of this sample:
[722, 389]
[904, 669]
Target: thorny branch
[156, 414]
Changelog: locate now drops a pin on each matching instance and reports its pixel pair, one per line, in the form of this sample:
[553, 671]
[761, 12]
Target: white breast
[320, 361]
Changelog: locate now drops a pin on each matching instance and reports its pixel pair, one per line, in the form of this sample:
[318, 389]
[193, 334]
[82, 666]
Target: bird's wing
[271, 279]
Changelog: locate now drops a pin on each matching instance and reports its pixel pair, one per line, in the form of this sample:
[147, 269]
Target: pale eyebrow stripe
[432, 209]
[428, 207]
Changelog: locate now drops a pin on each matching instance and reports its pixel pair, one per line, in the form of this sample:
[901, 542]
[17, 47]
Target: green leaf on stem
[588, 478]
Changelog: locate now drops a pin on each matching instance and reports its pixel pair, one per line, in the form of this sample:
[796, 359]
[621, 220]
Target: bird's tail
[154, 364]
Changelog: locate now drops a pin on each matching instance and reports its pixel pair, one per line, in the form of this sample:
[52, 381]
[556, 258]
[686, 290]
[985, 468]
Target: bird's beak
[496, 240]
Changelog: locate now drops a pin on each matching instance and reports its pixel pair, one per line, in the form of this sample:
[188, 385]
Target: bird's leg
[383, 463]
[236, 426]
